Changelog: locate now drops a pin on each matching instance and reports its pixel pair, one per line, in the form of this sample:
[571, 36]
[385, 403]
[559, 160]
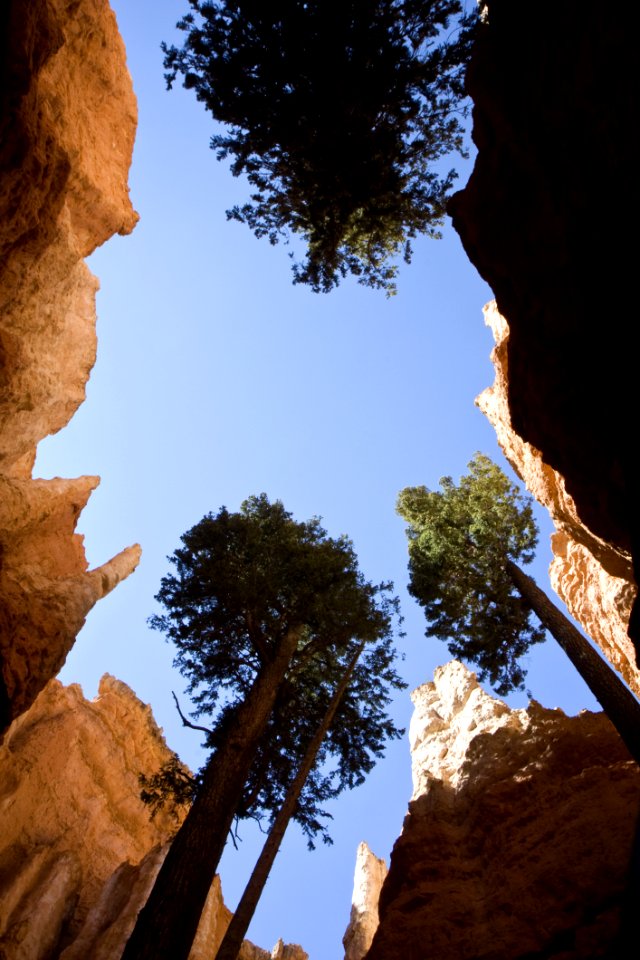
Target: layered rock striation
[67, 126]
[519, 833]
[78, 850]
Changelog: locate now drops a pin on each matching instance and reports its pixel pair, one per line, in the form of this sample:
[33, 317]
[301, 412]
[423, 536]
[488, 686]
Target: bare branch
[187, 723]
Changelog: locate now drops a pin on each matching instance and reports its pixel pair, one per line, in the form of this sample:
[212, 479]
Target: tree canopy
[349, 751]
[465, 544]
[265, 613]
[241, 580]
[339, 114]
[353, 744]
[460, 539]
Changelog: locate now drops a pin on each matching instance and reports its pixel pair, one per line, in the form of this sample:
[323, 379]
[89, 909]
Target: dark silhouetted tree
[339, 113]
[232, 941]
[465, 544]
[264, 612]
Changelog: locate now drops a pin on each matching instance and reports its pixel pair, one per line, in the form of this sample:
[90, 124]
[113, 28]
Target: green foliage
[172, 787]
[459, 540]
[338, 113]
[355, 741]
[242, 581]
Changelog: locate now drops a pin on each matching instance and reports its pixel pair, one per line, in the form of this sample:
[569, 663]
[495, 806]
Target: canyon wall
[67, 126]
[544, 218]
[79, 851]
[518, 838]
[71, 816]
[519, 834]
[549, 122]
[580, 571]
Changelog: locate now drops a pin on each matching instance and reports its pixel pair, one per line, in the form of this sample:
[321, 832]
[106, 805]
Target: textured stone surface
[600, 602]
[518, 837]
[112, 918]
[580, 572]
[370, 874]
[70, 811]
[550, 120]
[78, 850]
[286, 951]
[67, 126]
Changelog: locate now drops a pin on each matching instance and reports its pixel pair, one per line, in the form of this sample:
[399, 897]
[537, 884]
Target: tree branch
[187, 723]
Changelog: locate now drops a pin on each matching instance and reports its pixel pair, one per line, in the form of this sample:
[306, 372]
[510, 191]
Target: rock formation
[71, 813]
[544, 219]
[78, 849]
[78, 852]
[518, 838]
[370, 874]
[67, 125]
[518, 835]
[286, 951]
[599, 600]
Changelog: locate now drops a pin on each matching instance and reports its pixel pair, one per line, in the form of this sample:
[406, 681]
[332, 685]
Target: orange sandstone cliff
[78, 849]
[67, 126]
[517, 842]
[518, 836]
[598, 599]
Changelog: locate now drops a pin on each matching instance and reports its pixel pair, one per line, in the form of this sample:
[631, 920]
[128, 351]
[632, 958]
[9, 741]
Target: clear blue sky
[216, 379]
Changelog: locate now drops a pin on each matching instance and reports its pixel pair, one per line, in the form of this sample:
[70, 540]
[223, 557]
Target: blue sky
[216, 379]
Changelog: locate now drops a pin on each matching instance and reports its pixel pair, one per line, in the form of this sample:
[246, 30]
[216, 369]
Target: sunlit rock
[369, 876]
[79, 851]
[67, 125]
[518, 838]
[581, 570]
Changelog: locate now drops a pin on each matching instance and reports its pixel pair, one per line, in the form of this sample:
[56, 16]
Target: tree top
[460, 540]
[339, 114]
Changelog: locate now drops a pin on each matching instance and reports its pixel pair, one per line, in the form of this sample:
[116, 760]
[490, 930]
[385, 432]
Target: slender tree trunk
[232, 941]
[167, 924]
[615, 698]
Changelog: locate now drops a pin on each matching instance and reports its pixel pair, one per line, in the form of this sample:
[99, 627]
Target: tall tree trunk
[167, 924]
[615, 698]
[232, 941]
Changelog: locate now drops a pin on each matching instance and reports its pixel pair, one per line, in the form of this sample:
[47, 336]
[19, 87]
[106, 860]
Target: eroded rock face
[79, 852]
[518, 838]
[581, 570]
[67, 126]
[370, 874]
[285, 951]
[553, 88]
[71, 816]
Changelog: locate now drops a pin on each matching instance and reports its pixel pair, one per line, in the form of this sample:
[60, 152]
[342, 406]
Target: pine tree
[465, 545]
[258, 606]
[232, 941]
[339, 113]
